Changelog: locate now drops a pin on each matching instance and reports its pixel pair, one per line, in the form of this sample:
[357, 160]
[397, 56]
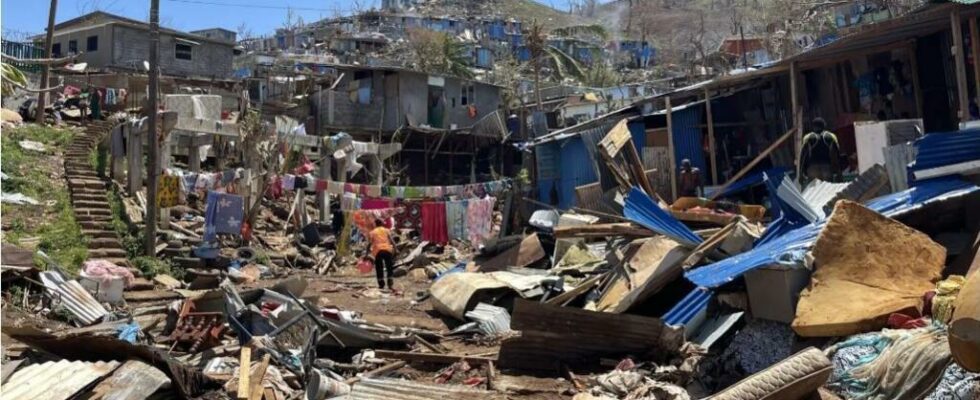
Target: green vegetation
[52, 222]
[151, 267]
[132, 241]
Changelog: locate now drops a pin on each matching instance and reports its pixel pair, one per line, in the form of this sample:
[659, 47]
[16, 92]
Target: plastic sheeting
[641, 209]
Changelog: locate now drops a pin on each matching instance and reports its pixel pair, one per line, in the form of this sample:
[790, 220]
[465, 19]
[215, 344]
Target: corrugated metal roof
[54, 380]
[642, 210]
[552, 336]
[687, 135]
[688, 307]
[802, 238]
[397, 389]
[869, 184]
[135, 380]
[74, 297]
[937, 150]
[817, 193]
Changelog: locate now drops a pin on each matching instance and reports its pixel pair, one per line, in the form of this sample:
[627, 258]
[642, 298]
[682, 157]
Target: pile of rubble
[870, 299]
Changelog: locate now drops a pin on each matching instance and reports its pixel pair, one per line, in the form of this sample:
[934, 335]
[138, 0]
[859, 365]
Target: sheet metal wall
[688, 138]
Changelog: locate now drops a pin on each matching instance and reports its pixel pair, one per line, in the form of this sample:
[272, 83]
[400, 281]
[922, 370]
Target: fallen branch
[41, 61]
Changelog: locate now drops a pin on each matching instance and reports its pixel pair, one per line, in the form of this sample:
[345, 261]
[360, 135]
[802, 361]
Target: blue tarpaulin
[641, 209]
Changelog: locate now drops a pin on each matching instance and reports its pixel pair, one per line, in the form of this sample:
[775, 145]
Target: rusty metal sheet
[552, 336]
[74, 297]
[54, 380]
[396, 389]
[135, 380]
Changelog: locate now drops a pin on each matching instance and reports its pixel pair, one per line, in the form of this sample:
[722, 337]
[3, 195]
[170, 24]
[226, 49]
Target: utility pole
[153, 137]
[42, 96]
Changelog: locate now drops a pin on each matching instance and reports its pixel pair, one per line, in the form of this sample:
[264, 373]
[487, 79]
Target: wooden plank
[614, 141]
[752, 164]
[797, 116]
[256, 377]
[670, 150]
[432, 358]
[962, 92]
[599, 230]
[585, 286]
[916, 84]
[244, 367]
[712, 150]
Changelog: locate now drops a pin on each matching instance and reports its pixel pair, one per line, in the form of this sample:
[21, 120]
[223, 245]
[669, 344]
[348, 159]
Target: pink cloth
[479, 219]
[434, 223]
[105, 271]
[375, 204]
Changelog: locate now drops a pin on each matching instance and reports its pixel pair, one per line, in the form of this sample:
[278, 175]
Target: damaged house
[451, 122]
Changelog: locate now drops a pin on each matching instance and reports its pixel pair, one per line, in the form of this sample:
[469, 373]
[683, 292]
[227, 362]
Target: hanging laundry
[410, 216]
[479, 218]
[288, 182]
[168, 191]
[274, 190]
[224, 214]
[205, 182]
[375, 204]
[364, 219]
[348, 202]
[456, 220]
[434, 222]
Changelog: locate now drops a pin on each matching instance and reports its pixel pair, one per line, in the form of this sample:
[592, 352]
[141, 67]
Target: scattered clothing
[224, 214]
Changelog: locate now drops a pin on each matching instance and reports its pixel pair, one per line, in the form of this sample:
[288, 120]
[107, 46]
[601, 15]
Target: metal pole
[152, 135]
[42, 97]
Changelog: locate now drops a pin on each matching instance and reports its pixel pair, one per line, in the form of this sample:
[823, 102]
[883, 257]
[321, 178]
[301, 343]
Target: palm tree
[12, 79]
[437, 52]
[561, 64]
[454, 58]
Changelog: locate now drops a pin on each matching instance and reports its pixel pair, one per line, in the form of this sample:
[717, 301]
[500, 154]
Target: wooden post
[975, 50]
[323, 198]
[42, 96]
[134, 159]
[961, 89]
[670, 150]
[797, 116]
[118, 168]
[711, 137]
[916, 84]
[150, 240]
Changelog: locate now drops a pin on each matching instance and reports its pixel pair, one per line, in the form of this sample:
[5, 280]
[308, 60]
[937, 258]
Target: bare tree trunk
[153, 135]
[42, 97]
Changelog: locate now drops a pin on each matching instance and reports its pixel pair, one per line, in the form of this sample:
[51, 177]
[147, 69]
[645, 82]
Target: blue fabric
[129, 332]
[641, 209]
[224, 214]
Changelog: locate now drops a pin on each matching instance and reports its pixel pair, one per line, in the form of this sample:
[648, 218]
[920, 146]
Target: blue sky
[261, 16]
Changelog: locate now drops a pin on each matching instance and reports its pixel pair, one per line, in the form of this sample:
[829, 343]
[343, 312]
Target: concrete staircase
[89, 195]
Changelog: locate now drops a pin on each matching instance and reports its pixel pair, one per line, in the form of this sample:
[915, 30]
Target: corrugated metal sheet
[74, 297]
[492, 320]
[689, 307]
[688, 140]
[897, 159]
[397, 389]
[790, 201]
[54, 380]
[135, 380]
[817, 193]
[552, 336]
[872, 183]
[802, 238]
[576, 169]
[750, 180]
[937, 150]
[644, 211]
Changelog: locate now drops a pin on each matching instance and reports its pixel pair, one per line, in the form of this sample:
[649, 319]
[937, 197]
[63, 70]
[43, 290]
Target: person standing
[690, 180]
[820, 153]
[383, 251]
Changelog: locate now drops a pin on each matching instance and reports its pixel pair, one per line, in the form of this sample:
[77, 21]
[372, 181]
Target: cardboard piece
[867, 266]
[656, 263]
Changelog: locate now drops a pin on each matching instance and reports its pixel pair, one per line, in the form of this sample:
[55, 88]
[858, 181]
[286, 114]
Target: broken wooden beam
[600, 230]
[244, 368]
[432, 358]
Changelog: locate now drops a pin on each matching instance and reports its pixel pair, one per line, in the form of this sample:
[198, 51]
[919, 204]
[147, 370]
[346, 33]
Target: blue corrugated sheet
[688, 141]
[802, 238]
[484, 58]
[576, 170]
[688, 307]
[641, 209]
[948, 148]
[790, 209]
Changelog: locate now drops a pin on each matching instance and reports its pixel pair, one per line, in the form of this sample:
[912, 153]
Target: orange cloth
[380, 238]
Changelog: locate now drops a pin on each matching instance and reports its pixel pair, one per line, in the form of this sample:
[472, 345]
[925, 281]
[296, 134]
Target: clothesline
[401, 192]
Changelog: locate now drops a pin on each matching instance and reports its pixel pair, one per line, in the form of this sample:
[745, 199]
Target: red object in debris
[246, 231]
[365, 266]
[474, 380]
[626, 365]
[225, 114]
[902, 321]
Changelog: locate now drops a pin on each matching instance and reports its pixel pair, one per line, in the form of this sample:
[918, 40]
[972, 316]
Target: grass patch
[151, 267]
[37, 175]
[132, 241]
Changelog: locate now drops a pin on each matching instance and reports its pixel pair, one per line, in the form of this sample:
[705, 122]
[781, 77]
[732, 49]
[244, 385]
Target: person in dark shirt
[690, 180]
[820, 154]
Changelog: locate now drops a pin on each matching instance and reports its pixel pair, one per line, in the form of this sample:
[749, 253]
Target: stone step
[87, 191]
[78, 203]
[93, 211]
[99, 233]
[97, 218]
[89, 197]
[104, 243]
[86, 183]
[107, 253]
[91, 224]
